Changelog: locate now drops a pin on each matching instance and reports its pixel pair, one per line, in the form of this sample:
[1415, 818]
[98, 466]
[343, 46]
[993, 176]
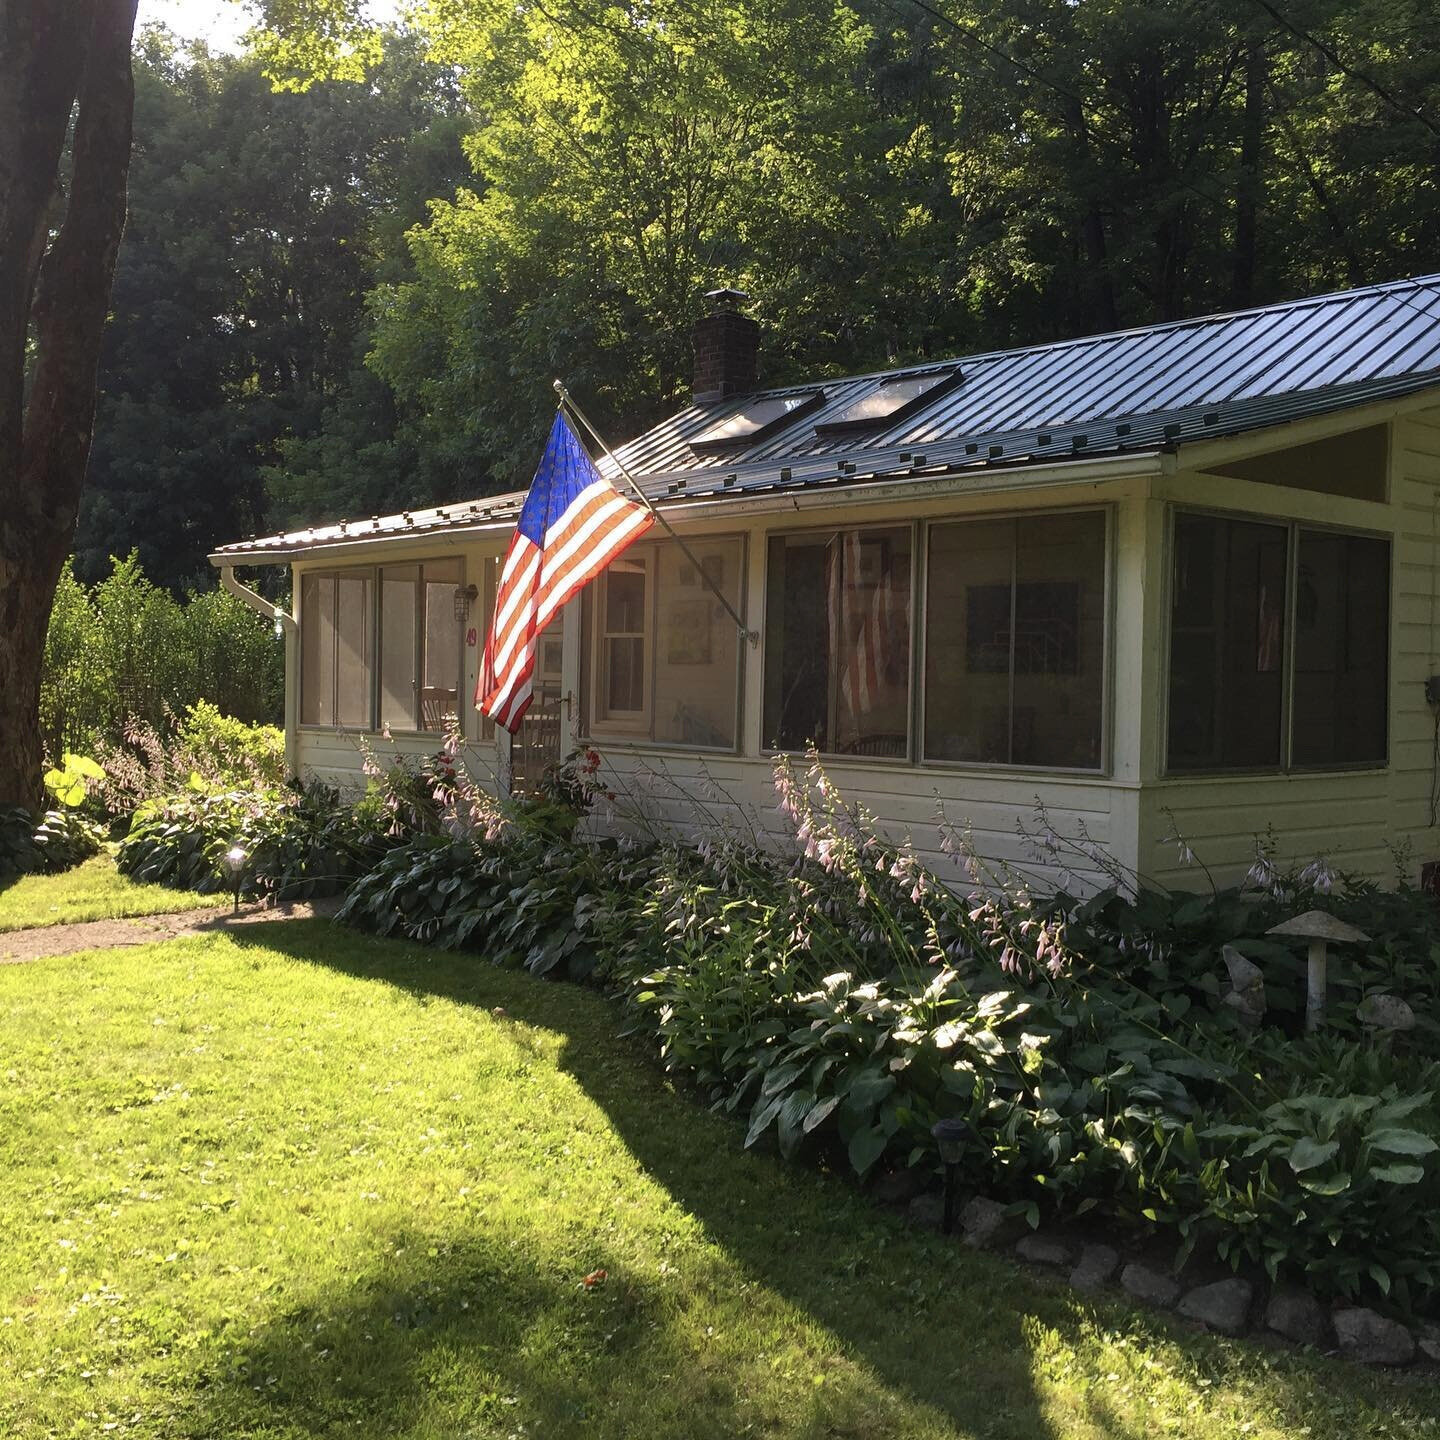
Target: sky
[220, 23]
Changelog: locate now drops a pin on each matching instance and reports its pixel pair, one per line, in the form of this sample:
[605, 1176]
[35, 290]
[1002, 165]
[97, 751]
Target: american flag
[573, 524]
[868, 652]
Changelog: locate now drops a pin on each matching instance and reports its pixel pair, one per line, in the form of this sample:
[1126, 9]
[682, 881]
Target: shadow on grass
[942, 1337]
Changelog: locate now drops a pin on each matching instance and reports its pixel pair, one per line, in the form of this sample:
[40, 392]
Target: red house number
[470, 638]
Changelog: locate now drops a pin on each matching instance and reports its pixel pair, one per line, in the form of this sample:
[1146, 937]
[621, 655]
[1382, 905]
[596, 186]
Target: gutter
[261, 606]
[944, 482]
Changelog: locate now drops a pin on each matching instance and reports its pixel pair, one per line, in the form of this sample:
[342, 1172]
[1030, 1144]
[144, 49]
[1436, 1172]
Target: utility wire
[1040, 77]
[1333, 57]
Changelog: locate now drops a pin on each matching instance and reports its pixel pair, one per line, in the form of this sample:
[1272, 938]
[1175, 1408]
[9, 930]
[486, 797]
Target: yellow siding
[1356, 820]
[1352, 818]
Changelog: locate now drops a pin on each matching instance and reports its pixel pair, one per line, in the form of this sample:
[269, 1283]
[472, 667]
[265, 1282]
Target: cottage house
[1178, 579]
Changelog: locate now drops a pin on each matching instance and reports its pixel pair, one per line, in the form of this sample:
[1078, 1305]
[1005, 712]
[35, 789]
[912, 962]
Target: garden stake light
[951, 1136]
[235, 858]
[1319, 929]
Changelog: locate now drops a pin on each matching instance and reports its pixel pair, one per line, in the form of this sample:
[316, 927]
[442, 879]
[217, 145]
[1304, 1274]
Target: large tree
[66, 102]
[233, 361]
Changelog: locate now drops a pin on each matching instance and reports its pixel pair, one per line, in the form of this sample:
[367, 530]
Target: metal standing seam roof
[1155, 388]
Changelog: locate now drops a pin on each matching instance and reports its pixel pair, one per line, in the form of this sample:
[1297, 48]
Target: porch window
[837, 649]
[381, 647]
[1015, 641]
[664, 663]
[1279, 641]
[419, 646]
[337, 648]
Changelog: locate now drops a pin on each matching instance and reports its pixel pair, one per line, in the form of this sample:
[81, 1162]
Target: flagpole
[567, 402]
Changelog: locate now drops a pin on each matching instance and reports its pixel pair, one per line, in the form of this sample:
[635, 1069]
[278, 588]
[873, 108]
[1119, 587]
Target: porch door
[537, 745]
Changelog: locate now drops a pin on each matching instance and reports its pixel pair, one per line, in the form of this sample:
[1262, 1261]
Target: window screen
[404, 671]
[1270, 620]
[1227, 643]
[1342, 633]
[1015, 641]
[837, 651]
[336, 649]
[666, 655]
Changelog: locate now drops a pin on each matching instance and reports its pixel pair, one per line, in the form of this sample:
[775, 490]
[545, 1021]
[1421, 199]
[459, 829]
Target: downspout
[261, 606]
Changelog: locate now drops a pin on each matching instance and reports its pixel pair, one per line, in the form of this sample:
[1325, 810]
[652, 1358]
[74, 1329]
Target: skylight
[890, 400]
[757, 419]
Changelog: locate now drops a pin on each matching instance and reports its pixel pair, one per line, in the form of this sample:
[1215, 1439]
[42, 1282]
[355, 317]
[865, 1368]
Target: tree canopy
[329, 304]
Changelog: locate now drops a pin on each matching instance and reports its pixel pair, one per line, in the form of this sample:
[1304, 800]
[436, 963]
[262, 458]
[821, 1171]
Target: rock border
[1225, 1303]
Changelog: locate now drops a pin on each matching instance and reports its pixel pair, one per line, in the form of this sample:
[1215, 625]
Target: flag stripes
[572, 525]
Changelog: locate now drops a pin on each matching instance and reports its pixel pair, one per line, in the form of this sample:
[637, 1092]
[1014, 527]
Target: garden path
[41, 942]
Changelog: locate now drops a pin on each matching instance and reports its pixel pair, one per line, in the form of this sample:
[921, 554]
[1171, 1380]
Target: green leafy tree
[258, 222]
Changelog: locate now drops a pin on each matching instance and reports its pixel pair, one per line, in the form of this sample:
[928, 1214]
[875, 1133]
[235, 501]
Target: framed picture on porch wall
[688, 633]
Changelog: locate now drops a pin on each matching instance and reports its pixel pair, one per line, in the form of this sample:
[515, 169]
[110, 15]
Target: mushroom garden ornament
[1319, 929]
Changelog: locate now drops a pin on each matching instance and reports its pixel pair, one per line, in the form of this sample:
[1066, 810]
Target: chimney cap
[726, 298]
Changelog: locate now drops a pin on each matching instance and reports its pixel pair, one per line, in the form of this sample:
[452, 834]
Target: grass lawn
[95, 890]
[303, 1183]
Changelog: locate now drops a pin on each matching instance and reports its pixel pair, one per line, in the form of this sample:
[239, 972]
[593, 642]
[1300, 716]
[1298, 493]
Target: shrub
[228, 750]
[836, 993]
[125, 651]
[300, 842]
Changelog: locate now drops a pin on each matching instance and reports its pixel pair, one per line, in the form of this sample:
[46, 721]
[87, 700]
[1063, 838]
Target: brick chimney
[726, 343]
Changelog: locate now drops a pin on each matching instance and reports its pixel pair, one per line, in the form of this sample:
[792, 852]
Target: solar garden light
[235, 858]
[1319, 929]
[952, 1136]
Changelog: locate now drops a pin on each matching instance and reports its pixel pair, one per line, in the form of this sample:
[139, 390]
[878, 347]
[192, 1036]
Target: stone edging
[1232, 1305]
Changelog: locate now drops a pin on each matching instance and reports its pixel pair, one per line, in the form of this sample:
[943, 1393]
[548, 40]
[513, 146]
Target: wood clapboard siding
[1353, 818]
[1357, 819]
[700, 794]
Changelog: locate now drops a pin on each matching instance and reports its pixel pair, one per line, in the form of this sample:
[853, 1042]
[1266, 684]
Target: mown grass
[95, 890]
[301, 1183]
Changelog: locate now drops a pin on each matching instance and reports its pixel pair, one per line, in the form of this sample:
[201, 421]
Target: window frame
[640, 735]
[1292, 526]
[1105, 770]
[915, 757]
[635, 722]
[373, 572]
[916, 566]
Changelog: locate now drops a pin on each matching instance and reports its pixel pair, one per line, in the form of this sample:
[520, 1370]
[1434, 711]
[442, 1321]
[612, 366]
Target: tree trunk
[55, 60]
[1247, 190]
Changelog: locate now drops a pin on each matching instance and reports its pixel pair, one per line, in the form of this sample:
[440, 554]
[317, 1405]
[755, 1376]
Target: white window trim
[635, 723]
[642, 737]
[375, 724]
[1292, 528]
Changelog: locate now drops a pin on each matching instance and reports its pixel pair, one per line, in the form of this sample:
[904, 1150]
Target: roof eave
[856, 490]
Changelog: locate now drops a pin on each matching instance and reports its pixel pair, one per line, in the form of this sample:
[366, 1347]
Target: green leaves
[68, 784]
[1400, 1142]
[1306, 1154]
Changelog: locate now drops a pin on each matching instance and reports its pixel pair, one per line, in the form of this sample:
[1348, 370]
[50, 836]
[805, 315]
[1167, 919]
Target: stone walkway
[18, 946]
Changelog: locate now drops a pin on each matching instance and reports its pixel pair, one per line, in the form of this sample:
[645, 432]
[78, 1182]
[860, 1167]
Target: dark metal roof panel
[1160, 386]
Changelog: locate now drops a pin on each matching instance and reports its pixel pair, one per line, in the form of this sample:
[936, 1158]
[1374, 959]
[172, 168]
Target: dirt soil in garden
[18, 946]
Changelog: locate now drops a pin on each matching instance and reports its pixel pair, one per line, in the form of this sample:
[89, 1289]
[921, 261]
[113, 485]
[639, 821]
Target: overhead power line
[1329, 52]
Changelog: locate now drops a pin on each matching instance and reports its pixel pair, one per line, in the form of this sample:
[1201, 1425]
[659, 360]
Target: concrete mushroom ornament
[1321, 931]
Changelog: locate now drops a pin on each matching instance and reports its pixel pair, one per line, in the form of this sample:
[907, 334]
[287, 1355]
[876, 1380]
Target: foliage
[891, 183]
[839, 993]
[124, 651]
[300, 1117]
[62, 838]
[68, 784]
[224, 748]
[18, 852]
[65, 837]
[233, 394]
[299, 841]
